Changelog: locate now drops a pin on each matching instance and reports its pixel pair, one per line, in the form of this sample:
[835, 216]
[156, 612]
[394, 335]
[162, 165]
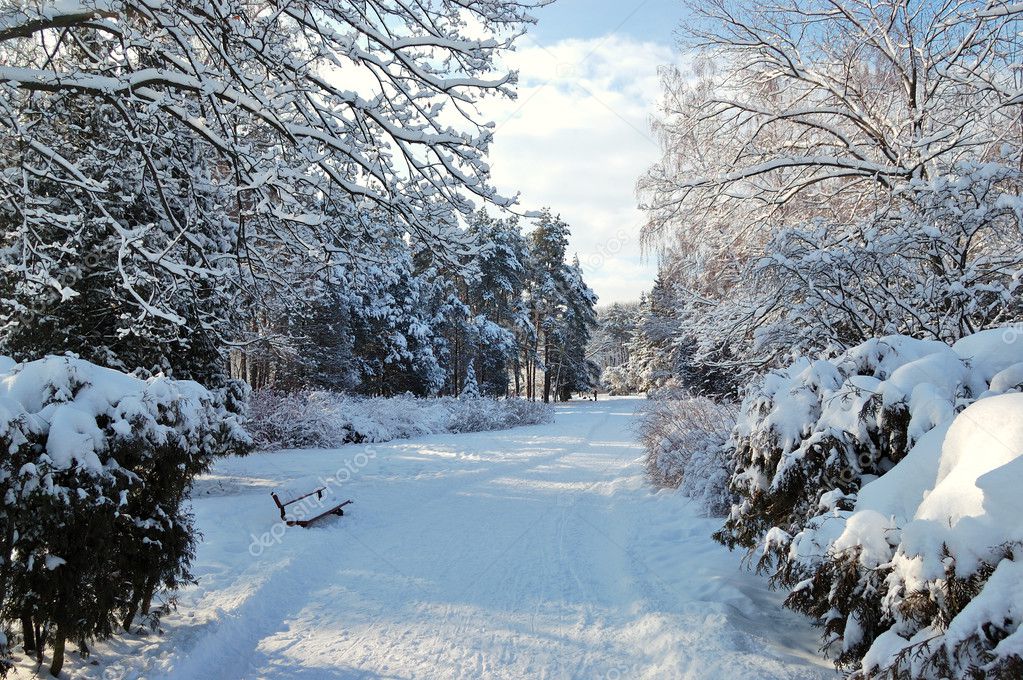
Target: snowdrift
[883, 488]
[317, 419]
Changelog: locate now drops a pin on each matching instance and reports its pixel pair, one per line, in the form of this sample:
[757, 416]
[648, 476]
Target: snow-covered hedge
[313, 419]
[882, 488]
[946, 526]
[685, 443]
[96, 470]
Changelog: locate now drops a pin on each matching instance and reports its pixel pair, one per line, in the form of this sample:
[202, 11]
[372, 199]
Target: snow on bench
[311, 499]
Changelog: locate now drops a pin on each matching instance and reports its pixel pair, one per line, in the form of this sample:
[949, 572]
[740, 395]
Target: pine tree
[575, 371]
[549, 241]
[495, 289]
[78, 268]
[471, 389]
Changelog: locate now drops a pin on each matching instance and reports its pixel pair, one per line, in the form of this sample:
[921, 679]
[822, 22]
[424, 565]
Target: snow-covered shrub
[952, 589]
[98, 467]
[479, 415]
[830, 465]
[280, 420]
[685, 444]
[619, 380]
[670, 390]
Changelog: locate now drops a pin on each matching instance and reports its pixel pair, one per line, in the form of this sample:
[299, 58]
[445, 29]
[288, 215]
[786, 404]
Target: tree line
[271, 194]
[513, 319]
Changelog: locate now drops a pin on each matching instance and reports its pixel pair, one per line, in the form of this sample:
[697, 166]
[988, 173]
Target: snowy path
[529, 553]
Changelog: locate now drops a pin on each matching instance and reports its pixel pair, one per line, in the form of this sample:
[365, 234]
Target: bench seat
[303, 501]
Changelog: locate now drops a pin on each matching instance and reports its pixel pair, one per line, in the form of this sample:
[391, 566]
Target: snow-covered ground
[538, 552]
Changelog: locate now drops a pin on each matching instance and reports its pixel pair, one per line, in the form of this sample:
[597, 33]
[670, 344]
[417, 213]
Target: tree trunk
[133, 608]
[529, 384]
[457, 367]
[558, 390]
[150, 591]
[28, 632]
[516, 368]
[546, 372]
[58, 653]
[40, 642]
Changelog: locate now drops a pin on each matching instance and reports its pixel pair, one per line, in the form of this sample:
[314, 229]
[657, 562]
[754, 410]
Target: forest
[244, 243]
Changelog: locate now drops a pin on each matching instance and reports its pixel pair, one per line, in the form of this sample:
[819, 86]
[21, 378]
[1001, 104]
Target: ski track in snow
[538, 552]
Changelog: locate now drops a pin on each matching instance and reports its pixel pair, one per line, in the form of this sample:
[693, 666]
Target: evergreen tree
[471, 389]
[562, 313]
[573, 370]
[495, 292]
[549, 240]
[95, 277]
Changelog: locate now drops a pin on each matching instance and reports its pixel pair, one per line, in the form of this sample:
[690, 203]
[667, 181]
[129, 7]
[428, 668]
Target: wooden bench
[310, 498]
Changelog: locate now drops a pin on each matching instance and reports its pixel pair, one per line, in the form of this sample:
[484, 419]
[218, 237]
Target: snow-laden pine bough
[304, 501]
[94, 481]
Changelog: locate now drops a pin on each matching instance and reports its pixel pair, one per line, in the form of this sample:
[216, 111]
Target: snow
[975, 506]
[899, 492]
[537, 552]
[867, 530]
[1007, 379]
[992, 351]
[999, 601]
[952, 503]
[69, 398]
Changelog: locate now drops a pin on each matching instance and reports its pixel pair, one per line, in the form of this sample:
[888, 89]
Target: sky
[577, 138]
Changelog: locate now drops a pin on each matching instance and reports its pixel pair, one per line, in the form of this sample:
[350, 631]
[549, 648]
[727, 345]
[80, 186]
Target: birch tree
[819, 106]
[794, 200]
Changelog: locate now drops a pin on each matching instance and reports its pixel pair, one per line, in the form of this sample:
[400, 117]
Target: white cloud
[576, 139]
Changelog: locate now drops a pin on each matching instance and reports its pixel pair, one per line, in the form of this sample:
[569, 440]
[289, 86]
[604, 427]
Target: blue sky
[646, 20]
[578, 136]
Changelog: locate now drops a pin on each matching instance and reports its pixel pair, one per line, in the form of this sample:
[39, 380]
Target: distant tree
[549, 241]
[495, 292]
[572, 368]
[616, 327]
[470, 389]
